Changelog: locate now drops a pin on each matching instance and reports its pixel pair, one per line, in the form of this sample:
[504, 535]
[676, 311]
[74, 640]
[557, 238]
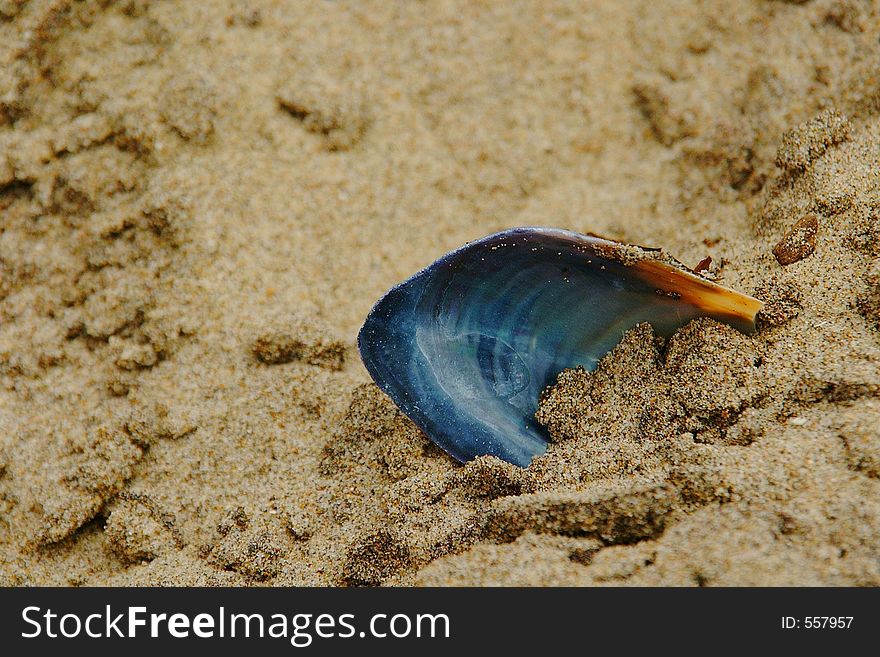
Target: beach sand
[200, 202]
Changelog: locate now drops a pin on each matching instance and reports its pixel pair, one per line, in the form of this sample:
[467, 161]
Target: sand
[200, 201]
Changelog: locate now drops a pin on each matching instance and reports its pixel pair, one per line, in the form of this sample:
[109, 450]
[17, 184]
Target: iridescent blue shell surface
[466, 346]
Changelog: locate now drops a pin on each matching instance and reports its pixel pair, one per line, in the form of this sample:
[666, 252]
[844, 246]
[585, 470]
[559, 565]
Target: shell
[466, 346]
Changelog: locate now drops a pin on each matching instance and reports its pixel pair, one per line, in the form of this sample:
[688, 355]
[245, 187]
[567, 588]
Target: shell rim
[680, 268]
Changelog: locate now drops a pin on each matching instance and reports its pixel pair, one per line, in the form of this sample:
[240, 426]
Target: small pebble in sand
[798, 242]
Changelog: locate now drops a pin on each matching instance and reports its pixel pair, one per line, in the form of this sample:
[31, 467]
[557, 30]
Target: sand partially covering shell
[199, 203]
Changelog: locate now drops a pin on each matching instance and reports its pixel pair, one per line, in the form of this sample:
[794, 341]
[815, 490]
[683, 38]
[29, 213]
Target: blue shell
[466, 346]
